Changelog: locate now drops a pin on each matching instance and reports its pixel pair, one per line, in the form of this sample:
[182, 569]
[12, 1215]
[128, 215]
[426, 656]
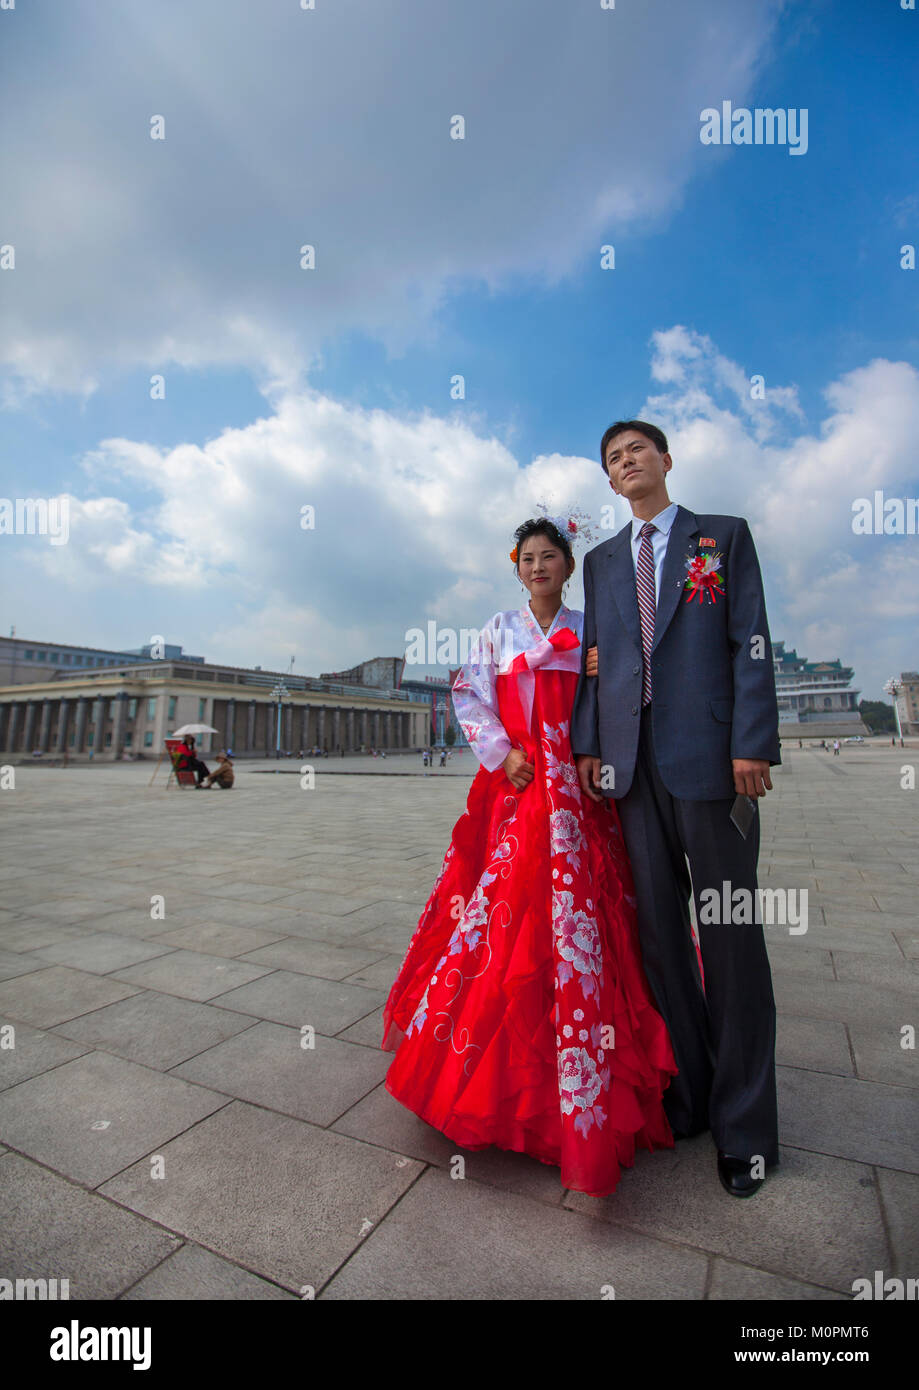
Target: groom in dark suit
[680, 724]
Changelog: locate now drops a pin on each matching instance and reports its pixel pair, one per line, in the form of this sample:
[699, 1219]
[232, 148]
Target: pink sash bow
[560, 652]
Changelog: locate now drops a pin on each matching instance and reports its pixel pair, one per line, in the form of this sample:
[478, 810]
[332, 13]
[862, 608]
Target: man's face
[634, 465]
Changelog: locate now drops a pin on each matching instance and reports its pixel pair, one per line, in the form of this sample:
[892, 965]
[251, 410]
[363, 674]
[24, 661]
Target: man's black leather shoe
[736, 1177]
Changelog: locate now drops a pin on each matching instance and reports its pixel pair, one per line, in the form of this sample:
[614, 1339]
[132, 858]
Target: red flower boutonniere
[703, 578]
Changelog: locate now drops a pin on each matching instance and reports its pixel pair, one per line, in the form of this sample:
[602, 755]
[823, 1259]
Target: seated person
[188, 759]
[223, 774]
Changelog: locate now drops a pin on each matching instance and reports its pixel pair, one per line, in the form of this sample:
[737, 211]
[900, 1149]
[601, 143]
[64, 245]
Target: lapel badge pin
[707, 540]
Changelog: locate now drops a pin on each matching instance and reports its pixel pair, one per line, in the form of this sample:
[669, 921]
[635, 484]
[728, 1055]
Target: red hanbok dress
[521, 1016]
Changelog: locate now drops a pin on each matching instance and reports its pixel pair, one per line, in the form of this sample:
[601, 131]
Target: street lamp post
[280, 692]
[893, 688]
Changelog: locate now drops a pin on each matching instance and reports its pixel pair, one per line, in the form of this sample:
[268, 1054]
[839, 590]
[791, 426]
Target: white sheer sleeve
[476, 702]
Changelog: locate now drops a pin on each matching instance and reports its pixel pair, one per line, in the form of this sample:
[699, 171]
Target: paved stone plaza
[148, 1046]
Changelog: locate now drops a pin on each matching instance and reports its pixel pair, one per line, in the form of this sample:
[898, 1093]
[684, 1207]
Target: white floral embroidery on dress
[566, 836]
[579, 1085]
[577, 940]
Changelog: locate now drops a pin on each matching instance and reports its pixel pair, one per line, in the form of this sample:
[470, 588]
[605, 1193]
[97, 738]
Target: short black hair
[541, 526]
[656, 436]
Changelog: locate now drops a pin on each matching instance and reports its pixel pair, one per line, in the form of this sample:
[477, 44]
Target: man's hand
[751, 776]
[589, 775]
[591, 666]
[518, 771]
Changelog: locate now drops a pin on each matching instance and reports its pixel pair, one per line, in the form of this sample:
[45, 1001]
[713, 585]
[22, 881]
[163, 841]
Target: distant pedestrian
[835, 747]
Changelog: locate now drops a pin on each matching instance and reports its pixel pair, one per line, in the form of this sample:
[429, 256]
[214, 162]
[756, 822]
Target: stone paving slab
[155, 1030]
[850, 1118]
[818, 1044]
[880, 1055]
[195, 1273]
[289, 1201]
[191, 975]
[313, 958]
[900, 1200]
[29, 933]
[457, 1238]
[249, 891]
[89, 1118]
[368, 1031]
[15, 963]
[267, 1065]
[28, 1052]
[55, 1230]
[98, 952]
[298, 1000]
[739, 1283]
[832, 940]
[816, 1219]
[380, 1119]
[217, 939]
[846, 1000]
[889, 972]
[800, 958]
[57, 993]
[380, 975]
[908, 942]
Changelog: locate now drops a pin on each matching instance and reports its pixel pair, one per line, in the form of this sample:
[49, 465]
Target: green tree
[878, 715]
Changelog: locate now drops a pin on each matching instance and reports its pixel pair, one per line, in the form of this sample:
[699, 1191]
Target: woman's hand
[591, 666]
[518, 771]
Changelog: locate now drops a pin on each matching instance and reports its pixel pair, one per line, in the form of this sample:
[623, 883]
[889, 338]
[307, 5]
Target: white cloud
[414, 517]
[328, 127]
[831, 593]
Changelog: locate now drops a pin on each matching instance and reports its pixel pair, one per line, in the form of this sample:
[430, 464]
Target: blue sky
[434, 257]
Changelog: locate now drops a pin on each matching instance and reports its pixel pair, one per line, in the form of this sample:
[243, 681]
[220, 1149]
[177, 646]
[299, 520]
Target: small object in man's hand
[742, 813]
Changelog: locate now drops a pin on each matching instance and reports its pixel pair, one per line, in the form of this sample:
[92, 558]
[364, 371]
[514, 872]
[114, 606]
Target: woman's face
[542, 566]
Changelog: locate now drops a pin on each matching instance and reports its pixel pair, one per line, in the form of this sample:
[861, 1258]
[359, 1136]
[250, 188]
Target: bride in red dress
[521, 1016]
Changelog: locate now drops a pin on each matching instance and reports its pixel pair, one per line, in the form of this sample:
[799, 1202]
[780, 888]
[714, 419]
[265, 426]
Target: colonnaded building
[88, 703]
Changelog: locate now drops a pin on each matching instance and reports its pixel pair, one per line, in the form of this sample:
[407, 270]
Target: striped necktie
[647, 603]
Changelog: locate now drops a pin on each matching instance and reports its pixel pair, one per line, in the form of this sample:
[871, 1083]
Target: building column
[304, 728]
[336, 729]
[28, 733]
[118, 724]
[349, 731]
[229, 732]
[12, 728]
[45, 727]
[80, 726]
[250, 727]
[63, 719]
[97, 719]
[320, 727]
[288, 727]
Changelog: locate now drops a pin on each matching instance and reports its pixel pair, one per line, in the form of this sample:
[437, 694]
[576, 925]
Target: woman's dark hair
[541, 526]
[656, 436]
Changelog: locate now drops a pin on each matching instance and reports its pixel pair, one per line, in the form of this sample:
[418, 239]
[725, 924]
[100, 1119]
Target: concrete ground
[165, 1134]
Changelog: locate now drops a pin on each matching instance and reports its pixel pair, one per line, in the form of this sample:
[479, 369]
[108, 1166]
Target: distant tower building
[817, 695]
[908, 702]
